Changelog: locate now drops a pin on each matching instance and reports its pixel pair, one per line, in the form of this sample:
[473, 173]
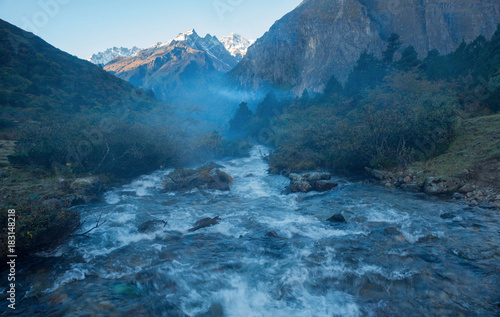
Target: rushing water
[399, 254]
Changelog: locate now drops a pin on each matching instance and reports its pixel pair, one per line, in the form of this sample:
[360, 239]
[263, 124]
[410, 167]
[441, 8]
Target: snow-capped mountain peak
[103, 58]
[186, 35]
[236, 45]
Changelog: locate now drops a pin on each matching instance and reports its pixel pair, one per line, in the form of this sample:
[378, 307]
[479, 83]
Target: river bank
[468, 171]
[267, 253]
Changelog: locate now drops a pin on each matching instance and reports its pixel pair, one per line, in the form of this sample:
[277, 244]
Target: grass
[7, 148]
[477, 142]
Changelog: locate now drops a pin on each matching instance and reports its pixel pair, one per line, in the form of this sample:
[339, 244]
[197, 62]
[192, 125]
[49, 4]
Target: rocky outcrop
[453, 187]
[321, 38]
[204, 223]
[304, 183]
[441, 185]
[205, 177]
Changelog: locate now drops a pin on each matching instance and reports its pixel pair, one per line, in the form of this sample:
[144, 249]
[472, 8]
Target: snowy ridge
[103, 58]
[226, 52]
[236, 45]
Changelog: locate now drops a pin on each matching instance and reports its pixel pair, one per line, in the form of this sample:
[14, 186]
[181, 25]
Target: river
[399, 254]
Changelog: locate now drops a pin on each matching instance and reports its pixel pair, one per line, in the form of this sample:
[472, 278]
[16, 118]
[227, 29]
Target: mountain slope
[36, 80]
[102, 58]
[185, 72]
[321, 38]
[167, 70]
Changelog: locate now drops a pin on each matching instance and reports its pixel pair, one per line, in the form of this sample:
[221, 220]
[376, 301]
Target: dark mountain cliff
[321, 38]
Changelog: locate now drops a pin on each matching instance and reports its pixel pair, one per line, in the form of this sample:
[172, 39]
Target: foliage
[387, 112]
[41, 227]
[383, 129]
[239, 124]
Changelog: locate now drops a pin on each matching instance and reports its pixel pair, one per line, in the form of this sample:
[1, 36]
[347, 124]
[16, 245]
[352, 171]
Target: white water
[394, 255]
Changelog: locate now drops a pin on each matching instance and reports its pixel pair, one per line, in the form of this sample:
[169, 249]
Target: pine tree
[409, 59]
[241, 118]
[393, 45]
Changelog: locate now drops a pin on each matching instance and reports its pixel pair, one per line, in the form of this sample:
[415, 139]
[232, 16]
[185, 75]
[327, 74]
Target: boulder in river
[151, 226]
[300, 187]
[318, 181]
[323, 185]
[337, 218]
[205, 222]
[205, 177]
[440, 185]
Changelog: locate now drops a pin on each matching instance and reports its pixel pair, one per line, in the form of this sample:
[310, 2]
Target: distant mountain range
[234, 44]
[184, 71]
[321, 38]
[103, 58]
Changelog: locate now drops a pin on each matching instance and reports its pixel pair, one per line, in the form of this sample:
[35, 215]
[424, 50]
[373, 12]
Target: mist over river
[272, 254]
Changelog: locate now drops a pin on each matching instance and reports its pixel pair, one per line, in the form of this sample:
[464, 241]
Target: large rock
[304, 183]
[300, 187]
[440, 185]
[323, 186]
[205, 222]
[337, 218]
[205, 177]
[151, 226]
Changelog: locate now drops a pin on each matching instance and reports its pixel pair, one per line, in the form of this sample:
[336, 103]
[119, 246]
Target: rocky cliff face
[321, 38]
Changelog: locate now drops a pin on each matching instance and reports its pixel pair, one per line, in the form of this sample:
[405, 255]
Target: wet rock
[325, 185]
[440, 185]
[326, 176]
[295, 177]
[474, 203]
[429, 258]
[407, 179]
[337, 218]
[205, 177]
[250, 175]
[391, 231]
[447, 215]
[215, 165]
[381, 175]
[205, 222]
[151, 226]
[314, 177]
[272, 234]
[413, 187]
[171, 202]
[485, 205]
[300, 187]
[127, 290]
[458, 196]
[467, 188]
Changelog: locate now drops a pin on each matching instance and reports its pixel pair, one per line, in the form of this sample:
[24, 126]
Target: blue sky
[84, 27]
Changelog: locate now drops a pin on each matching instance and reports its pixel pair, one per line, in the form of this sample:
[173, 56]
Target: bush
[385, 128]
[40, 227]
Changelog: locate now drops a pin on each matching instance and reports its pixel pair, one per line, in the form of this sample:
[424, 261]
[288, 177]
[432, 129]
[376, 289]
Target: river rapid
[272, 254]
